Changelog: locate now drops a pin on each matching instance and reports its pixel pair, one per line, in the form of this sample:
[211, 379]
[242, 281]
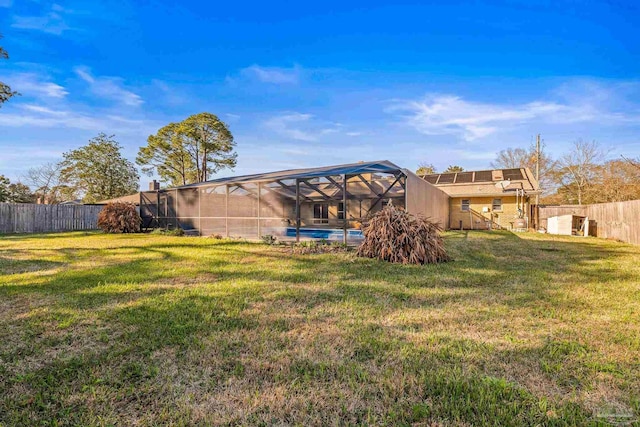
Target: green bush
[168, 232]
[269, 239]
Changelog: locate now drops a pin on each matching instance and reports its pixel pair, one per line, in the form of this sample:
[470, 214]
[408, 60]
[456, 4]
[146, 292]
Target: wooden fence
[31, 218]
[615, 220]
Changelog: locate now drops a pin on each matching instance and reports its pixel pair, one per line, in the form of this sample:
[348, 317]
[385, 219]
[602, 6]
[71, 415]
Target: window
[321, 213]
[465, 205]
[497, 205]
[341, 210]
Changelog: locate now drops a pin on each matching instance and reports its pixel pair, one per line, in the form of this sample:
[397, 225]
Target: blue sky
[322, 82]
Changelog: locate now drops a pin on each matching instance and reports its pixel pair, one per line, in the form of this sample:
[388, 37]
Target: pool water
[324, 233]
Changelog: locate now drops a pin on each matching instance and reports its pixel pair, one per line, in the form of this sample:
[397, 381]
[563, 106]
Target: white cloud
[51, 22]
[275, 75]
[109, 88]
[303, 127]
[30, 84]
[166, 94]
[33, 115]
[473, 155]
[232, 117]
[450, 114]
[43, 110]
[296, 151]
[289, 125]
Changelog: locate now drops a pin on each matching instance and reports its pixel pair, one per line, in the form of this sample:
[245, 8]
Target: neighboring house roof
[491, 182]
[72, 202]
[380, 166]
[131, 198]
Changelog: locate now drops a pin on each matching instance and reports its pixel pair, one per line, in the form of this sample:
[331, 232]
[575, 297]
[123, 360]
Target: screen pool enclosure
[319, 203]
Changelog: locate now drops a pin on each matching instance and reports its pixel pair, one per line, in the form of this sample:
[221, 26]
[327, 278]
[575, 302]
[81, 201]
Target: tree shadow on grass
[10, 265]
[5, 238]
[517, 271]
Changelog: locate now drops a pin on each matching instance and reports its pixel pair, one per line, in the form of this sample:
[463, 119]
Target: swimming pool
[324, 233]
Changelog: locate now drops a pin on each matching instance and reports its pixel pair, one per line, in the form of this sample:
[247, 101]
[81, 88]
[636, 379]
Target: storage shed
[568, 225]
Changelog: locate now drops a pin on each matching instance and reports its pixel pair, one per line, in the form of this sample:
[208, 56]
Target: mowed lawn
[520, 329]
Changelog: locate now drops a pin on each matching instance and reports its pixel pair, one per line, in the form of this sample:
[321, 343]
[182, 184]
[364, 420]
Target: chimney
[154, 185]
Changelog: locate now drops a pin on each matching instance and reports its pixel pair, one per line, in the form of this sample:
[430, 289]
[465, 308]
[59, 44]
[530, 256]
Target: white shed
[567, 225]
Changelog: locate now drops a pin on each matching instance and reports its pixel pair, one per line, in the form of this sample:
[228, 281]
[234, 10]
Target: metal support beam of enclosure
[297, 210]
[381, 196]
[226, 211]
[345, 211]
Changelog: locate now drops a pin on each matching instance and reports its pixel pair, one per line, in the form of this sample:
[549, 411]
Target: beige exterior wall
[426, 199]
[476, 219]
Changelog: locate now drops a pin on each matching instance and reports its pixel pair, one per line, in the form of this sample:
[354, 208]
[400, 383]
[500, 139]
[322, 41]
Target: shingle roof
[380, 166]
[132, 198]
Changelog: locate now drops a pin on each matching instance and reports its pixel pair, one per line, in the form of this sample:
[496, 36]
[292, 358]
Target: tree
[98, 171]
[617, 181]
[189, 151]
[633, 162]
[166, 154]
[20, 193]
[14, 193]
[453, 168]
[4, 188]
[513, 158]
[210, 143]
[577, 170]
[45, 181]
[425, 169]
[6, 92]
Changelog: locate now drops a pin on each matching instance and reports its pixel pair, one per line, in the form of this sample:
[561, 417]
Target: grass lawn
[155, 330]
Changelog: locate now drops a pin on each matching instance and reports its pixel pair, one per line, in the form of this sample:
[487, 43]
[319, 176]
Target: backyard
[523, 329]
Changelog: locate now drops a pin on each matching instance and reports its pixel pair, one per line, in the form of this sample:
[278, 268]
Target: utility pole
[537, 212]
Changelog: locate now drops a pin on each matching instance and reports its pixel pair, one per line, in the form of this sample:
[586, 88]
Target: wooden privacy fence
[31, 218]
[615, 220]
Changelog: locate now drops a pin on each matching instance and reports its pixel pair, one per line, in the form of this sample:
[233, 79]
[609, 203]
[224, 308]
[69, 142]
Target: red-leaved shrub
[119, 217]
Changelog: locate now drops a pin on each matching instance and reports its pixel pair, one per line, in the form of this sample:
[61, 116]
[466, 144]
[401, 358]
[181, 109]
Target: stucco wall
[426, 199]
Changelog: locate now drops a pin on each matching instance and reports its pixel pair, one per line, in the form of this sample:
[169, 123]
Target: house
[131, 198]
[317, 203]
[76, 202]
[330, 202]
[488, 199]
